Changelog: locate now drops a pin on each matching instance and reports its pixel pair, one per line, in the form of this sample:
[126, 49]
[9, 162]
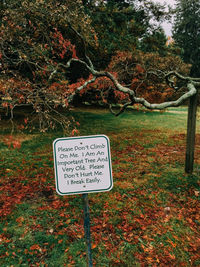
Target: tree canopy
[186, 32]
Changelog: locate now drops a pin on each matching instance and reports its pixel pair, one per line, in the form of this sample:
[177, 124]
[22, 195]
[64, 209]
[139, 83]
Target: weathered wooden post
[191, 130]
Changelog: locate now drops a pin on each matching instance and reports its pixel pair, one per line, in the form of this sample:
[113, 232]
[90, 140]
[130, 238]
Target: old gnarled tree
[41, 43]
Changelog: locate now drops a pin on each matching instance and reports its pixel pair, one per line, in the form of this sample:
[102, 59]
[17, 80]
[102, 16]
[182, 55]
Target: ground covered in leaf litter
[150, 218]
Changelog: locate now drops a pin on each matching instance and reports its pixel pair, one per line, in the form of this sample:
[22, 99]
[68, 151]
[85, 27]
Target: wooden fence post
[191, 129]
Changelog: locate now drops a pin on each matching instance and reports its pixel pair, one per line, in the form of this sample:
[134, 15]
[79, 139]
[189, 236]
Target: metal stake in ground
[87, 229]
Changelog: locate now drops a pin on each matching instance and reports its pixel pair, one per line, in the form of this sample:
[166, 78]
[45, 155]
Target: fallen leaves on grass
[142, 220]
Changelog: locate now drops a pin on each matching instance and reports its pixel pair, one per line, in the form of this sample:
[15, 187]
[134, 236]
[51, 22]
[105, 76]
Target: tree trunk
[191, 129]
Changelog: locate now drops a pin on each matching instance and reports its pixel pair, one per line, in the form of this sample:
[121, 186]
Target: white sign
[82, 164]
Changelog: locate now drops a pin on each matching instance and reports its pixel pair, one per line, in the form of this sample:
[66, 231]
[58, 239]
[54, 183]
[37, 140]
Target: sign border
[86, 191]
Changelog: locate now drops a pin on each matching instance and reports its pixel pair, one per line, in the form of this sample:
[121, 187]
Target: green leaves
[186, 32]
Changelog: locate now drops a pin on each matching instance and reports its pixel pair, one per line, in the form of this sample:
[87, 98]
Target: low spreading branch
[190, 84]
[44, 85]
[192, 91]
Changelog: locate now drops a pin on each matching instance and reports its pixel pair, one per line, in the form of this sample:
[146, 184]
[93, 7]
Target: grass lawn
[150, 217]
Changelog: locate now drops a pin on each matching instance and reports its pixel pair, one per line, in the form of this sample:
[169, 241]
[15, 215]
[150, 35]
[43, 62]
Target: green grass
[149, 218]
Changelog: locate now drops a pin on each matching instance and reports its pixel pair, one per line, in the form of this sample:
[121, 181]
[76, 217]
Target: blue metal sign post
[87, 229]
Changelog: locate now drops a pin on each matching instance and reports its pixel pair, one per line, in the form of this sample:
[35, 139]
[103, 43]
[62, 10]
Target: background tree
[125, 25]
[186, 32]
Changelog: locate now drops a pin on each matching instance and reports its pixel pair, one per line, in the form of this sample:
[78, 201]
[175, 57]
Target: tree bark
[191, 129]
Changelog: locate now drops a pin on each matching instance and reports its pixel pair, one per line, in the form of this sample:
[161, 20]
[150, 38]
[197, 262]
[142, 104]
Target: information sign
[82, 164]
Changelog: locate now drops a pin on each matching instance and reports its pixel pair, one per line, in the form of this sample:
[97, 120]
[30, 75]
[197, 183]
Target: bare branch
[71, 97]
[57, 67]
[178, 102]
[83, 42]
[122, 109]
[97, 74]
[196, 81]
